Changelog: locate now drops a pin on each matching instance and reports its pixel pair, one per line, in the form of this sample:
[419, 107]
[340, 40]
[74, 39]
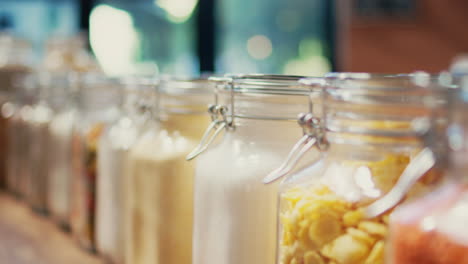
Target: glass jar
[433, 229]
[15, 61]
[19, 115]
[159, 180]
[235, 214]
[98, 106]
[62, 100]
[39, 140]
[368, 141]
[114, 147]
[65, 54]
[5, 98]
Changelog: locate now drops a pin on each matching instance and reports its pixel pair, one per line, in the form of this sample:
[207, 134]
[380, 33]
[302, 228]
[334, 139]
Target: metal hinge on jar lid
[314, 135]
[218, 115]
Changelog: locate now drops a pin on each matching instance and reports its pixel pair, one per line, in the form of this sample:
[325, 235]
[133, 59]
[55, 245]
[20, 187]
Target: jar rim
[384, 105]
[266, 84]
[377, 89]
[392, 82]
[184, 85]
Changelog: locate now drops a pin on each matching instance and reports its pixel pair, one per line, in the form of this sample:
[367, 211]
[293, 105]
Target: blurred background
[306, 37]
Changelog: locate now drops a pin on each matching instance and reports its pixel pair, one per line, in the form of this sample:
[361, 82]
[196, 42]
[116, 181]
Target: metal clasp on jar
[314, 135]
[218, 115]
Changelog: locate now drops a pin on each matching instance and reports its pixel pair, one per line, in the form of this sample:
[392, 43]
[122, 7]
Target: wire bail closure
[223, 116]
[421, 164]
[314, 135]
[219, 122]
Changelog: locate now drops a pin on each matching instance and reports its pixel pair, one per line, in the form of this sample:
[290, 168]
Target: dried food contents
[39, 144]
[15, 63]
[323, 223]
[65, 59]
[57, 140]
[162, 196]
[4, 142]
[432, 230]
[235, 213]
[20, 112]
[17, 148]
[159, 194]
[84, 150]
[114, 147]
[321, 208]
[112, 160]
[98, 99]
[60, 169]
[239, 201]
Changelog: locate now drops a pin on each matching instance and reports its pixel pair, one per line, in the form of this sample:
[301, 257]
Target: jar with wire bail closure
[15, 61]
[53, 97]
[433, 229]
[98, 106]
[19, 114]
[375, 131]
[159, 181]
[112, 158]
[60, 131]
[235, 214]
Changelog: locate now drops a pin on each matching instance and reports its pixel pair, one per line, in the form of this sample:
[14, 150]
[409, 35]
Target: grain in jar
[160, 181]
[367, 128]
[98, 101]
[114, 147]
[235, 213]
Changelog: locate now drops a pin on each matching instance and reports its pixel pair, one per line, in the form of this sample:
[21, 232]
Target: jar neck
[96, 99]
[190, 126]
[397, 112]
[243, 107]
[132, 105]
[183, 103]
[266, 132]
[356, 146]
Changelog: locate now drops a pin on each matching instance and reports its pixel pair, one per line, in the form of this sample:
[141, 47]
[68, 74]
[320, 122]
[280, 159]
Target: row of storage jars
[108, 159]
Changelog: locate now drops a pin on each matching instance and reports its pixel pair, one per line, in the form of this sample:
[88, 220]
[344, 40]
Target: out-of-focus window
[273, 36]
[144, 36]
[37, 20]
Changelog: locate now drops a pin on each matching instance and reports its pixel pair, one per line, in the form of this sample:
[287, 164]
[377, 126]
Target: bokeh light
[178, 11]
[311, 60]
[113, 38]
[259, 47]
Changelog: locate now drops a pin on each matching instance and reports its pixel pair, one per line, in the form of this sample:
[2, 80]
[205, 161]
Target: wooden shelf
[28, 238]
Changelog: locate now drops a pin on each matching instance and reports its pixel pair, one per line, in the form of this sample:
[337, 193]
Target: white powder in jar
[235, 213]
[112, 157]
[160, 200]
[60, 170]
